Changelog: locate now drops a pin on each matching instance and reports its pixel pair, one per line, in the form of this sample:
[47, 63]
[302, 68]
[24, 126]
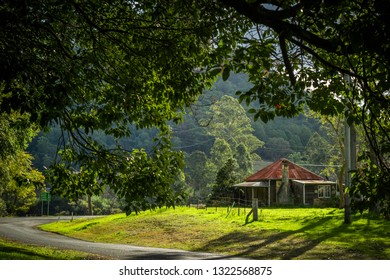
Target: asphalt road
[25, 230]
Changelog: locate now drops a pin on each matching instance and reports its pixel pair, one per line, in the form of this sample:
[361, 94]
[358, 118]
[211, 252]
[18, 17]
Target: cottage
[284, 182]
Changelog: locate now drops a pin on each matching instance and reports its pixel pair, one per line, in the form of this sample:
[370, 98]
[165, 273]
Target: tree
[332, 55]
[220, 152]
[197, 173]
[276, 148]
[334, 127]
[317, 149]
[90, 66]
[19, 181]
[228, 120]
[244, 160]
[226, 177]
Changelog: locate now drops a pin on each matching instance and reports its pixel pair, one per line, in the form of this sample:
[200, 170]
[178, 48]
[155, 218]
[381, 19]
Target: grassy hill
[290, 233]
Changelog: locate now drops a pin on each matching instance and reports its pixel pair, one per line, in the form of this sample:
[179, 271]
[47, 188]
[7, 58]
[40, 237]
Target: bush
[3, 208]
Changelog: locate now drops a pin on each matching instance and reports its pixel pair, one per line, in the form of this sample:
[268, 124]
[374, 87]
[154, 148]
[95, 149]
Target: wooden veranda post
[255, 206]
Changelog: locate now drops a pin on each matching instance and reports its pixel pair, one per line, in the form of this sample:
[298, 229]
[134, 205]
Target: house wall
[311, 194]
[261, 193]
[297, 193]
[262, 196]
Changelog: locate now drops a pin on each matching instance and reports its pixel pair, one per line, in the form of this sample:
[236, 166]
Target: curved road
[25, 230]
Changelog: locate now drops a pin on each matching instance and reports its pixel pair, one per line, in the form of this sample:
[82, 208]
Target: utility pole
[350, 160]
[348, 165]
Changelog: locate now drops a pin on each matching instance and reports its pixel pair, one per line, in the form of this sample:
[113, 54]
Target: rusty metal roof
[274, 171]
[314, 182]
[252, 185]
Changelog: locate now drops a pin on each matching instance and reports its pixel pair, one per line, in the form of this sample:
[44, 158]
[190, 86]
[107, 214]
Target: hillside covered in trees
[281, 137]
[215, 129]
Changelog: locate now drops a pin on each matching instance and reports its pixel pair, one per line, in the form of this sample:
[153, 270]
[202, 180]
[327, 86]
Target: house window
[324, 191]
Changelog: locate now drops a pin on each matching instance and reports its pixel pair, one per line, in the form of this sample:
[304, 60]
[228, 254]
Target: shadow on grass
[14, 253]
[287, 245]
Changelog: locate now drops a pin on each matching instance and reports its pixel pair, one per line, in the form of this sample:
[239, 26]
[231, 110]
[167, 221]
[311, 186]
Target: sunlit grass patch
[280, 233]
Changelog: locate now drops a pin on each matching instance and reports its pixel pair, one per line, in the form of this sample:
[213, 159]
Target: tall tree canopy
[333, 56]
[19, 180]
[227, 120]
[103, 65]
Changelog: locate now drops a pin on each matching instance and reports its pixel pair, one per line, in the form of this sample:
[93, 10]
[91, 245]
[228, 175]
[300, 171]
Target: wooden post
[269, 193]
[255, 206]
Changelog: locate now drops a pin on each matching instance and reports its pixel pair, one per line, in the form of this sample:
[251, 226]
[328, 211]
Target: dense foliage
[109, 65]
[333, 56]
[97, 65]
[19, 180]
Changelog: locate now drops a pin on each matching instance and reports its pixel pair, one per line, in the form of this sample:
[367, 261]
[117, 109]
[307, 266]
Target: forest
[155, 101]
[207, 144]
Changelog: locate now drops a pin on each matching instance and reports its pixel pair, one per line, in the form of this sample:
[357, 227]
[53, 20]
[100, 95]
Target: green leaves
[143, 180]
[18, 178]
[92, 68]
[371, 186]
[230, 122]
[225, 73]
[95, 67]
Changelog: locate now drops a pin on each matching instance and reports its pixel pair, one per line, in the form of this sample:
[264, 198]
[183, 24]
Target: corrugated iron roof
[251, 184]
[274, 171]
[314, 182]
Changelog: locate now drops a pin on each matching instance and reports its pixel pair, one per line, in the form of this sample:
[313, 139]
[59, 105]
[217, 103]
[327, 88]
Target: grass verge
[291, 233]
[10, 250]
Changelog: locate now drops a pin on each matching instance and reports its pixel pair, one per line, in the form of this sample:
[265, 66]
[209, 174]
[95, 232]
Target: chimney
[283, 193]
[285, 171]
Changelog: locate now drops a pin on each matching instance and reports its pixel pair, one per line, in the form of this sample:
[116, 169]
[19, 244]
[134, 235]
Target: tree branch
[323, 61]
[258, 14]
[289, 68]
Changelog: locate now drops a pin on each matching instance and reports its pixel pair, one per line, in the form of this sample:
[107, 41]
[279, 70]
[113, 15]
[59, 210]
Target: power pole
[348, 165]
[350, 159]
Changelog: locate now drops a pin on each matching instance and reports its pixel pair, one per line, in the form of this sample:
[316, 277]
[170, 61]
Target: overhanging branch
[258, 14]
[289, 68]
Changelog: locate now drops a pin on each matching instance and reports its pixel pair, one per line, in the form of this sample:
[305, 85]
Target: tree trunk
[347, 214]
[90, 210]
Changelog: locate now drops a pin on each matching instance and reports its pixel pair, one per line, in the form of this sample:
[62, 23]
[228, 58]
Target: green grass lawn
[288, 233]
[10, 250]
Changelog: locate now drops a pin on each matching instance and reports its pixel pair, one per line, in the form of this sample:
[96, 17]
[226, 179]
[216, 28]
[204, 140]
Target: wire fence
[232, 206]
